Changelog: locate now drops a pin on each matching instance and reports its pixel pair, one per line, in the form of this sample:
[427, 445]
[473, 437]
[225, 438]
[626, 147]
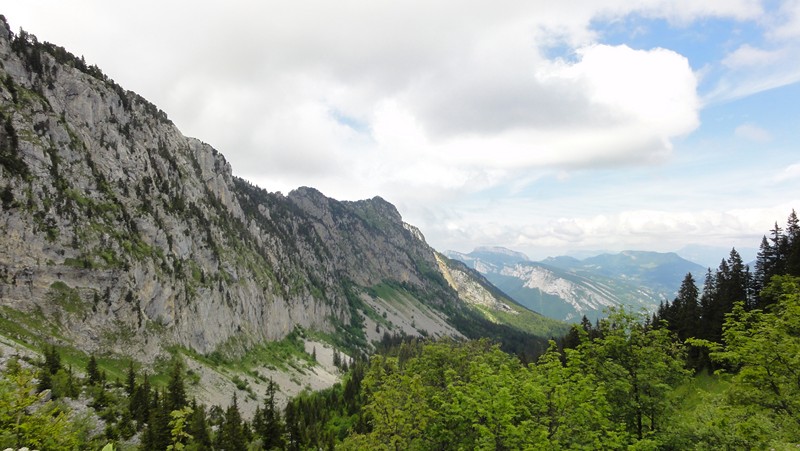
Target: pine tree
[198, 428]
[765, 263]
[337, 359]
[52, 359]
[45, 380]
[738, 281]
[158, 429]
[793, 245]
[92, 372]
[730, 285]
[130, 380]
[270, 427]
[707, 305]
[152, 437]
[687, 311]
[51, 365]
[293, 436]
[140, 403]
[176, 391]
[231, 434]
[779, 244]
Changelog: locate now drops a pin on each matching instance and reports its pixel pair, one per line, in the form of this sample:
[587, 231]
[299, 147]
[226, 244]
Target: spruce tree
[764, 270]
[51, 365]
[198, 428]
[156, 435]
[686, 309]
[45, 380]
[779, 244]
[92, 372]
[140, 403]
[231, 434]
[707, 305]
[158, 423]
[52, 359]
[130, 380]
[793, 245]
[176, 391]
[271, 427]
[293, 433]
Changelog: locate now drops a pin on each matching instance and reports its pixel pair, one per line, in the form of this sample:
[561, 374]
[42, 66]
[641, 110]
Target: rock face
[470, 288]
[128, 236]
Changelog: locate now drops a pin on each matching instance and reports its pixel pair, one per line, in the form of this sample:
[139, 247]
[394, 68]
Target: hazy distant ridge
[567, 288]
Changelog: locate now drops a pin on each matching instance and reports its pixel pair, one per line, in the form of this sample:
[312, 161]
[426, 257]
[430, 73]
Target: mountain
[655, 270]
[567, 288]
[121, 236]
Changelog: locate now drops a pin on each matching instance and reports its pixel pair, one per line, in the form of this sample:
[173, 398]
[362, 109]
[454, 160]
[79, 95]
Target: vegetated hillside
[567, 288]
[121, 235]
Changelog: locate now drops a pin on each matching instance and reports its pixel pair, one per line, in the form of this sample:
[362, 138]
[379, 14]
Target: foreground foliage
[610, 392]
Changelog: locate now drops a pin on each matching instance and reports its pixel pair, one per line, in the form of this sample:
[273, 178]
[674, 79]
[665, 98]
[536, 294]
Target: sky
[549, 128]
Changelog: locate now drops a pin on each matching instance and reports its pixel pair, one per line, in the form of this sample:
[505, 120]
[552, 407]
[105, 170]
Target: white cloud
[752, 132]
[748, 77]
[748, 56]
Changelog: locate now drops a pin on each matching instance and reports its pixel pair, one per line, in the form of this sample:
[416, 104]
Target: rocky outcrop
[470, 288]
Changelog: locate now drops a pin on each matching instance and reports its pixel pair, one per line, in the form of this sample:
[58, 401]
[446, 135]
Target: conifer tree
[92, 372]
[683, 313]
[130, 380]
[52, 359]
[765, 263]
[793, 245]
[176, 391]
[231, 434]
[337, 359]
[198, 428]
[270, 427]
[140, 403]
[51, 365]
[45, 380]
[293, 435]
[157, 434]
[779, 245]
[707, 303]
[63, 384]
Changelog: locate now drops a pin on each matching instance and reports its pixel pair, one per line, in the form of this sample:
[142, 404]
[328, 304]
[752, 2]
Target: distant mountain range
[567, 288]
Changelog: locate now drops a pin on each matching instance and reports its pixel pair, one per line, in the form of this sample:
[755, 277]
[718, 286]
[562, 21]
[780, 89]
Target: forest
[716, 368]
